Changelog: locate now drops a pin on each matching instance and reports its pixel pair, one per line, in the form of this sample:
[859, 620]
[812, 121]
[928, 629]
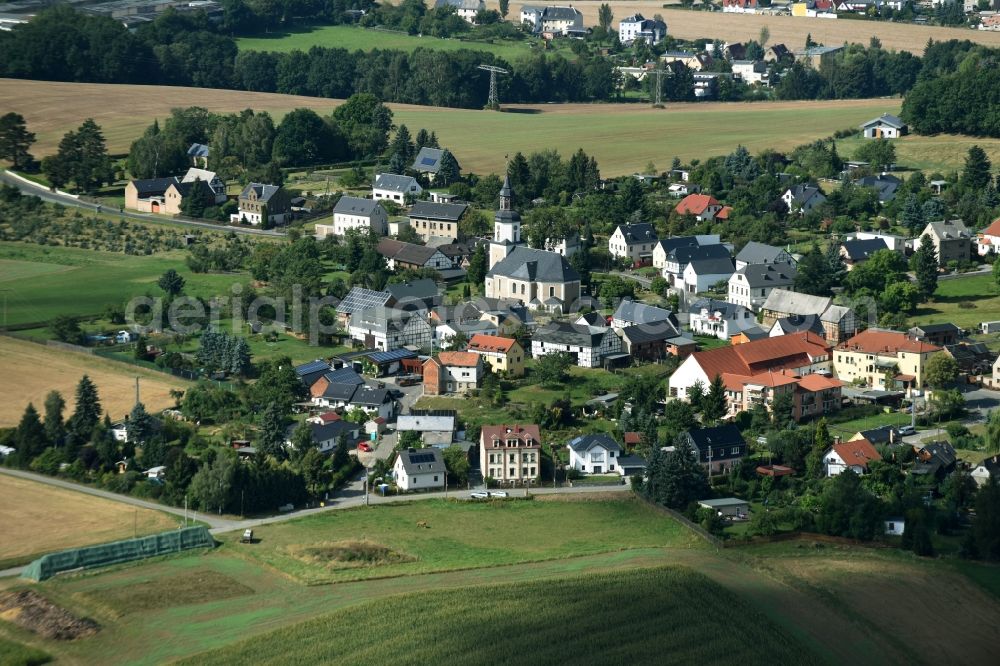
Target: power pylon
[658, 92]
[494, 100]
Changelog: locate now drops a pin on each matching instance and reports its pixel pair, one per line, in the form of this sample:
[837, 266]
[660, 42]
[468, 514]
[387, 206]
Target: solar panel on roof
[427, 161]
[390, 356]
[422, 458]
[311, 367]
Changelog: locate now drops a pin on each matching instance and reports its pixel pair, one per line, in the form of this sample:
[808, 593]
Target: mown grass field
[441, 535]
[15, 654]
[610, 618]
[28, 371]
[966, 302]
[623, 137]
[356, 38]
[940, 153]
[39, 519]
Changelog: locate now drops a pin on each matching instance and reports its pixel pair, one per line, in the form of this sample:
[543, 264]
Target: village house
[797, 324]
[326, 436]
[838, 321]
[952, 240]
[815, 56]
[214, 182]
[700, 274]
[754, 253]
[988, 240]
[973, 358]
[553, 19]
[654, 342]
[386, 328]
[636, 27]
[718, 448]
[357, 299]
[665, 251]
[885, 185]
[428, 161]
[800, 353]
[886, 126]
[594, 454]
[419, 469]
[452, 372]
[777, 53]
[146, 195]
[634, 242]
[883, 359]
[634, 313]
[586, 345]
[400, 255]
[853, 455]
[809, 395]
[696, 62]
[447, 336]
[465, 9]
[327, 389]
[365, 215]
[751, 285]
[420, 294]
[436, 429]
[719, 319]
[855, 252]
[937, 334]
[751, 72]
[703, 206]
[802, 198]
[263, 204]
[198, 152]
[740, 6]
[678, 260]
[510, 455]
[391, 187]
[436, 223]
[988, 469]
[504, 355]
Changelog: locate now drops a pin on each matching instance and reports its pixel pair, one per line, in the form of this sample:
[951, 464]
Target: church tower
[506, 226]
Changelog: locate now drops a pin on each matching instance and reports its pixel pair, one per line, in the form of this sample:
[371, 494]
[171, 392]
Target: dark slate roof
[886, 119]
[344, 375]
[885, 185]
[437, 211]
[859, 250]
[526, 263]
[185, 188]
[327, 431]
[724, 435]
[712, 305]
[640, 313]
[804, 192]
[671, 244]
[759, 276]
[565, 333]
[688, 253]
[368, 396]
[882, 435]
[713, 266]
[408, 253]
[649, 333]
[758, 253]
[198, 150]
[632, 462]
[356, 206]
[930, 329]
[418, 289]
[584, 443]
[428, 160]
[264, 191]
[340, 391]
[153, 187]
[394, 182]
[797, 323]
[638, 233]
[359, 298]
[422, 461]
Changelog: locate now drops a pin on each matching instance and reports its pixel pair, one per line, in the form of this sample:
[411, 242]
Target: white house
[761, 253]
[987, 469]
[586, 345]
[637, 27]
[701, 274]
[445, 333]
[419, 469]
[558, 20]
[751, 285]
[210, 177]
[854, 455]
[802, 198]
[391, 187]
[384, 328]
[988, 240]
[594, 454]
[750, 71]
[466, 9]
[886, 126]
[634, 242]
[739, 6]
[719, 319]
[355, 213]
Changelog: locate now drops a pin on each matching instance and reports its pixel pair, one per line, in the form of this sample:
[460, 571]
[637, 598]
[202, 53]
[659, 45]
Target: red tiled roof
[328, 417]
[875, 341]
[993, 229]
[504, 432]
[490, 343]
[784, 352]
[819, 382]
[723, 213]
[633, 438]
[696, 204]
[859, 452]
[458, 358]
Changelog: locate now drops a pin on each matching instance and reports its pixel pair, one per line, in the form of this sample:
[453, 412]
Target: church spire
[506, 194]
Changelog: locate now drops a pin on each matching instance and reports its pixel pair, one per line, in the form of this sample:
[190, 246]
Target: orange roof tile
[752, 358]
[503, 432]
[993, 229]
[819, 382]
[877, 341]
[490, 343]
[859, 452]
[724, 213]
[458, 358]
[696, 204]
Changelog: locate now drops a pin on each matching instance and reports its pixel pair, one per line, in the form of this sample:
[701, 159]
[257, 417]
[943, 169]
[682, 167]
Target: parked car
[498, 493]
[907, 430]
[479, 494]
[365, 446]
[396, 394]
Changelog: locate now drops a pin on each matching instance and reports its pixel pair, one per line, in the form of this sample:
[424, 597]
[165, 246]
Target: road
[642, 280]
[28, 187]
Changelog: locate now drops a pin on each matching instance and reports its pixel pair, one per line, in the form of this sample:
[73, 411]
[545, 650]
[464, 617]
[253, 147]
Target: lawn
[31, 370]
[480, 139]
[356, 38]
[15, 654]
[939, 153]
[627, 617]
[39, 519]
[966, 301]
[357, 544]
[79, 282]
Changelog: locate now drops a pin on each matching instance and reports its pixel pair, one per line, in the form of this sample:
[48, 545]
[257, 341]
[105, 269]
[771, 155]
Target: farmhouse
[437, 222]
[355, 213]
[466, 9]
[633, 313]
[586, 345]
[504, 355]
[854, 455]
[952, 240]
[210, 177]
[838, 320]
[419, 469]
[751, 285]
[400, 255]
[357, 299]
[390, 187]
[557, 20]
[634, 242]
[263, 204]
[594, 454]
[385, 328]
[882, 359]
[452, 372]
[510, 454]
[886, 126]
[146, 195]
[636, 27]
[718, 448]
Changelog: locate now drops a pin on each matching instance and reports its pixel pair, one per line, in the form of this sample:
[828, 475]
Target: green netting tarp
[116, 552]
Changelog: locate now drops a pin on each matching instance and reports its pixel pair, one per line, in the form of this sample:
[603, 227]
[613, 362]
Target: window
[736, 450]
[513, 472]
[435, 478]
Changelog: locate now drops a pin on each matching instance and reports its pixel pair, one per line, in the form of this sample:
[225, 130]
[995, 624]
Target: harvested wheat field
[788, 30]
[38, 519]
[28, 371]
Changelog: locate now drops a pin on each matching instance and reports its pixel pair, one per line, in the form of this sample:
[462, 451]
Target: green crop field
[966, 301]
[356, 38]
[442, 535]
[632, 617]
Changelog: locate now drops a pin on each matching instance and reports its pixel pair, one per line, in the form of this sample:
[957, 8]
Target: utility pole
[493, 101]
[658, 92]
[137, 389]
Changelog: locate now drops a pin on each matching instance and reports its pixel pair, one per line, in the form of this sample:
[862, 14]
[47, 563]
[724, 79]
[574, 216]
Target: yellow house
[875, 354]
[504, 355]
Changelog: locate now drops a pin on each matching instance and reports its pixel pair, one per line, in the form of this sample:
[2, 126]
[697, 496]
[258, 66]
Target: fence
[117, 552]
[69, 347]
[683, 520]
